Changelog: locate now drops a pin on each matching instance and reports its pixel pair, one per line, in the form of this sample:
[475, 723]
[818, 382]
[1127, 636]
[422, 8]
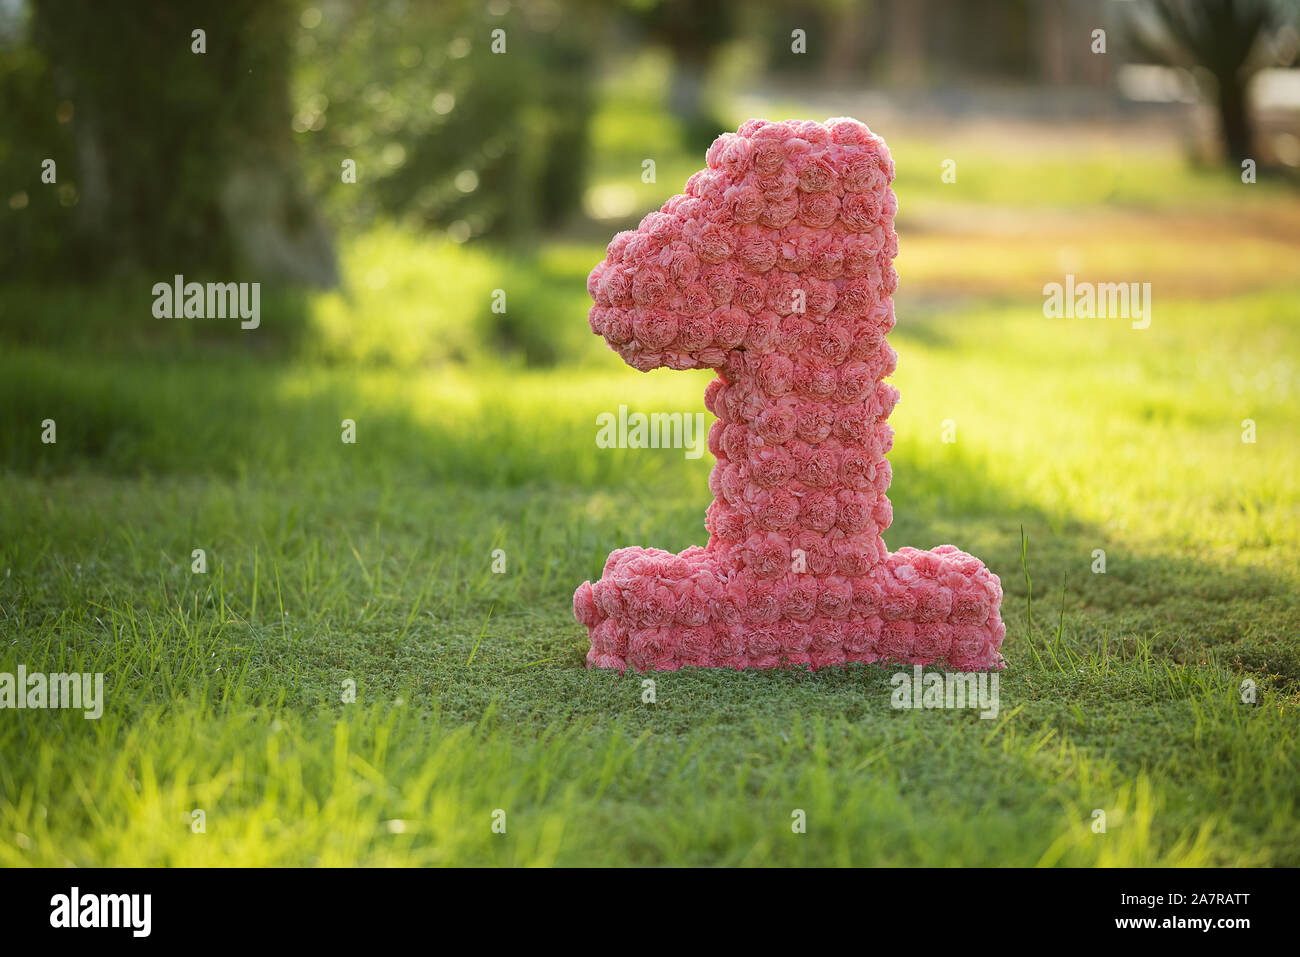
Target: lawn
[370, 565]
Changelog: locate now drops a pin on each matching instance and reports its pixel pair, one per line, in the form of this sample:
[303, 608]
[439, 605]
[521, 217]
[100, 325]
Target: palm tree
[1224, 38]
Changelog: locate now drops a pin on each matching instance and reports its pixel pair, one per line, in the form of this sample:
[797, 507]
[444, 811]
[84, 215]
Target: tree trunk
[1234, 119]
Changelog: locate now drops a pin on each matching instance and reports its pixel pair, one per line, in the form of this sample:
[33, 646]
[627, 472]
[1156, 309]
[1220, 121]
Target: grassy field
[371, 563]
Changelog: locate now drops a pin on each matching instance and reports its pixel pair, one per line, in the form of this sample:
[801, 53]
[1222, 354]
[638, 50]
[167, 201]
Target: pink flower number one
[776, 269]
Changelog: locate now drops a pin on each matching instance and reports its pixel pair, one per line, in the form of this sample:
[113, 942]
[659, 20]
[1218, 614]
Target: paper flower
[776, 269]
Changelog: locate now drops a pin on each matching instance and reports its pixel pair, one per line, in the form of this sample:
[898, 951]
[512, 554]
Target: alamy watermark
[75, 909]
[179, 299]
[1098, 300]
[946, 689]
[37, 691]
[656, 430]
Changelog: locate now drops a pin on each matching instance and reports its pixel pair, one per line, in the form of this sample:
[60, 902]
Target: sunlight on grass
[372, 562]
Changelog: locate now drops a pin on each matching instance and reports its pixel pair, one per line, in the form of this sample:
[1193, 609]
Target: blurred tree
[692, 31]
[173, 149]
[465, 116]
[1223, 37]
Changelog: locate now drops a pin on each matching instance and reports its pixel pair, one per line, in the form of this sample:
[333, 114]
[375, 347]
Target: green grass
[372, 563]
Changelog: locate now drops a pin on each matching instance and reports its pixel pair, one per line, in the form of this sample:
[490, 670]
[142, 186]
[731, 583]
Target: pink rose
[860, 211]
[813, 422]
[755, 251]
[827, 260]
[664, 228]
[610, 637]
[854, 512]
[860, 252]
[692, 604]
[695, 300]
[729, 152]
[720, 281]
[779, 185]
[651, 649]
[895, 642]
[853, 425]
[776, 422]
[775, 511]
[750, 293]
[760, 334]
[654, 328]
[618, 327]
[862, 174]
[745, 203]
[762, 643]
[795, 146]
[817, 511]
[848, 132]
[970, 606]
[790, 336]
[730, 644]
[695, 646]
[647, 605]
[640, 360]
[681, 265]
[729, 324]
[614, 251]
[798, 598]
[882, 401]
[889, 280]
[767, 554]
[771, 466]
[814, 132]
[693, 334]
[818, 468]
[735, 443]
[854, 381]
[862, 635]
[856, 298]
[707, 185]
[835, 599]
[822, 296]
[819, 554]
[715, 394]
[641, 249]
[768, 157]
[616, 287]
[797, 244]
[931, 641]
[818, 210]
[725, 523]
[856, 468]
[882, 512]
[713, 358]
[779, 213]
[815, 172]
[968, 651]
[711, 242]
[826, 636]
[831, 342]
[593, 284]
[775, 375]
[815, 378]
[882, 362]
[762, 605]
[852, 560]
[650, 287]
[681, 206]
[584, 606]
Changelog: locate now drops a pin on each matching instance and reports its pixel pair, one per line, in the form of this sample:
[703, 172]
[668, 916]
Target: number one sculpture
[776, 269]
